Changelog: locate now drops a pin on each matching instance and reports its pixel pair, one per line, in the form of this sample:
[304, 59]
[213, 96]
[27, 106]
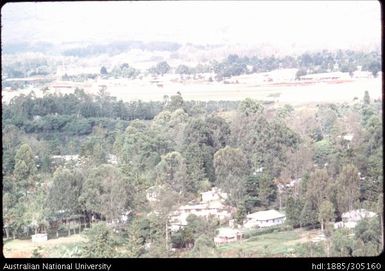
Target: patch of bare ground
[24, 248]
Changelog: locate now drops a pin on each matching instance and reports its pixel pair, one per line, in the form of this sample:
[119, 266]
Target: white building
[66, 158]
[291, 184]
[214, 194]
[351, 218]
[227, 235]
[218, 210]
[348, 137]
[362, 74]
[112, 159]
[283, 75]
[153, 193]
[264, 219]
[326, 76]
[39, 238]
[211, 204]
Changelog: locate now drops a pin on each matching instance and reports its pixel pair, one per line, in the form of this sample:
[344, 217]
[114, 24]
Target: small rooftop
[356, 215]
[223, 232]
[265, 215]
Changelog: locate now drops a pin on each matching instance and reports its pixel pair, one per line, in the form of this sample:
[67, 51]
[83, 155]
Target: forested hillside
[250, 150]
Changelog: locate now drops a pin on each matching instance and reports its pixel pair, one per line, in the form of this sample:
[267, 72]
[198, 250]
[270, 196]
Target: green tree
[141, 148]
[101, 243]
[267, 190]
[197, 131]
[317, 188]
[308, 214]
[231, 169]
[25, 167]
[64, 192]
[323, 150]
[219, 131]
[171, 171]
[94, 149]
[326, 213]
[241, 214]
[375, 67]
[176, 102]
[293, 211]
[135, 239]
[348, 185]
[183, 69]
[366, 98]
[252, 193]
[197, 157]
[103, 71]
[204, 247]
[368, 234]
[342, 244]
[161, 68]
[36, 212]
[250, 106]
[107, 192]
[300, 73]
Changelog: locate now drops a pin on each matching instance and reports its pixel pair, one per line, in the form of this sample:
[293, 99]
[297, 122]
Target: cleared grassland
[51, 248]
[333, 92]
[276, 244]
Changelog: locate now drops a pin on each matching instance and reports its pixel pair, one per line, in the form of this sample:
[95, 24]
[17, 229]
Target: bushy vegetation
[186, 147]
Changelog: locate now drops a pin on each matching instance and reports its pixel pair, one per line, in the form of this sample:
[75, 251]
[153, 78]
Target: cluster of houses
[212, 204]
[261, 219]
[351, 218]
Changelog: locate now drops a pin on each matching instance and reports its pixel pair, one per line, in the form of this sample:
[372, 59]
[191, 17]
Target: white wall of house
[227, 235]
[252, 223]
[264, 219]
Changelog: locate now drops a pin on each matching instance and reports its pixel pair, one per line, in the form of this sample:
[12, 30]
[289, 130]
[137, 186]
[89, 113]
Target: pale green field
[276, 244]
[130, 90]
[52, 248]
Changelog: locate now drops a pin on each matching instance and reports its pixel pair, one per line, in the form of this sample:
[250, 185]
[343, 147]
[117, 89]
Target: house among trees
[153, 193]
[346, 138]
[283, 186]
[76, 158]
[362, 74]
[215, 194]
[264, 219]
[227, 235]
[212, 204]
[351, 218]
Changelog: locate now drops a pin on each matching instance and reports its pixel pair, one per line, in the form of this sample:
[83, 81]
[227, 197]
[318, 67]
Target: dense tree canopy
[313, 164]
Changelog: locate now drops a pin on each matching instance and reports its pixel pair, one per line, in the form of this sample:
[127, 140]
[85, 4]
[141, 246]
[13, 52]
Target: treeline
[233, 65]
[307, 63]
[249, 152]
[63, 120]
[54, 111]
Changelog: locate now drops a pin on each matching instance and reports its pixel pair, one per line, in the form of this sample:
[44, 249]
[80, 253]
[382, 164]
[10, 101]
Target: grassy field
[204, 91]
[276, 244]
[50, 249]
